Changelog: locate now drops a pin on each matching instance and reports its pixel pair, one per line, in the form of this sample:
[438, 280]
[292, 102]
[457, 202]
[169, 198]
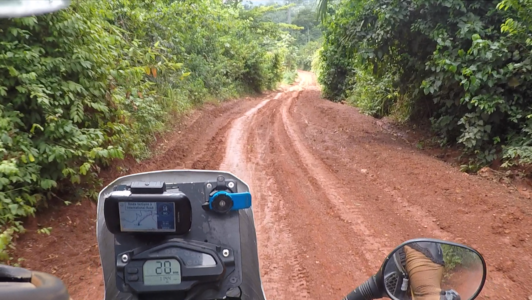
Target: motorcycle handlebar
[367, 291]
[41, 286]
[48, 285]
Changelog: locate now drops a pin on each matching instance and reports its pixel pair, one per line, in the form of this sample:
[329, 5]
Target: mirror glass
[433, 271]
[26, 8]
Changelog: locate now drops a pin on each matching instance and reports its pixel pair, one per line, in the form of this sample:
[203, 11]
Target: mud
[333, 192]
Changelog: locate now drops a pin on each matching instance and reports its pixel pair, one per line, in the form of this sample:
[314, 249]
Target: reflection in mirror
[26, 8]
[433, 271]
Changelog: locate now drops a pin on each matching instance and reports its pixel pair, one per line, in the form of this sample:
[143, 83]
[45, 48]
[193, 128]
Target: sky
[259, 2]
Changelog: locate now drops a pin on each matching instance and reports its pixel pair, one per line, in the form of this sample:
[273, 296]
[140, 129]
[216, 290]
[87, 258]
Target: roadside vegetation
[465, 66]
[93, 83]
[300, 19]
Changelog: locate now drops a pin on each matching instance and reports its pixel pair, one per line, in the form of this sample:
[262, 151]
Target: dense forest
[465, 66]
[97, 81]
[305, 32]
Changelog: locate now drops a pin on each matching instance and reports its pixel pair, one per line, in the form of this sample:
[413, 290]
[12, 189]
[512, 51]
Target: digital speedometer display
[162, 272]
[147, 216]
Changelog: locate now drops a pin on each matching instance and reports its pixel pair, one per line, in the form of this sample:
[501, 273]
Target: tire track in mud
[335, 192]
[275, 245]
[299, 255]
[321, 236]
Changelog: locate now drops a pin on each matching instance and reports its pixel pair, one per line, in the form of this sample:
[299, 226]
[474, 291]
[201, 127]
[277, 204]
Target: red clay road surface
[333, 194]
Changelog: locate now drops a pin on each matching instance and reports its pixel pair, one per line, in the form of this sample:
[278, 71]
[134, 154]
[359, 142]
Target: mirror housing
[454, 271]
[26, 8]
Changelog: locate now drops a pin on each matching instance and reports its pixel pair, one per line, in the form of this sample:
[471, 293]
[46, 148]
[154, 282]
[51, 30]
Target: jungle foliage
[304, 28]
[97, 81]
[464, 65]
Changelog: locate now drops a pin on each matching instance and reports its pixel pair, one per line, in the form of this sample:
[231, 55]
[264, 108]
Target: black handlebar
[367, 291]
[22, 284]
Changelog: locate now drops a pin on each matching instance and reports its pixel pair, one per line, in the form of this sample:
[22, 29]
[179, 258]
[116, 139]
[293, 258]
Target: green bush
[465, 65]
[289, 77]
[316, 66]
[95, 82]
[373, 96]
[306, 54]
[457, 256]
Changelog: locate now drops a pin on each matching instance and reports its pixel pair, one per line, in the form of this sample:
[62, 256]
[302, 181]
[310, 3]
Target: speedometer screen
[146, 216]
[162, 272]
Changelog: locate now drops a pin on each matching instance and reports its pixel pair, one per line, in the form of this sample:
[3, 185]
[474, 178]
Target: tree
[306, 18]
[462, 64]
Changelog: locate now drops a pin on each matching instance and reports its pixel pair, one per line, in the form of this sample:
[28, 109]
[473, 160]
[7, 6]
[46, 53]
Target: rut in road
[330, 204]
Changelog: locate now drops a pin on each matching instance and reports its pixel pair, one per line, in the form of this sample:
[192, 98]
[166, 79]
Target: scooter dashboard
[172, 236]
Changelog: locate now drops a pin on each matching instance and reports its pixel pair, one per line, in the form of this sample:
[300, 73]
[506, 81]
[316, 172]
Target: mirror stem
[367, 291]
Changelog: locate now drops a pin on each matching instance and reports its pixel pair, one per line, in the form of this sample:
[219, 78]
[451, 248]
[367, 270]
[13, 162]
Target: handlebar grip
[50, 286]
[366, 291]
[40, 286]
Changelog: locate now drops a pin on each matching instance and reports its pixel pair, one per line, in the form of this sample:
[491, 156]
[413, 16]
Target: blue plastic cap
[240, 200]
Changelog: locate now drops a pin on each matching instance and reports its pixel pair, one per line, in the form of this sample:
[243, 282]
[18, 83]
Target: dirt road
[333, 194]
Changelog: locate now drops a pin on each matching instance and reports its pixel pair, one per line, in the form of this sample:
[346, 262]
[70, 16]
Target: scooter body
[234, 230]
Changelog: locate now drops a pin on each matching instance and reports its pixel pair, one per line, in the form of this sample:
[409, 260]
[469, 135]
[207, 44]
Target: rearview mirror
[433, 270]
[26, 8]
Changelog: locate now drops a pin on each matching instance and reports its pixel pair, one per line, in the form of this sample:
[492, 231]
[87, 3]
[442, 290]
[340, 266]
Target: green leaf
[184, 75]
[36, 126]
[48, 184]
[83, 169]
[14, 208]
